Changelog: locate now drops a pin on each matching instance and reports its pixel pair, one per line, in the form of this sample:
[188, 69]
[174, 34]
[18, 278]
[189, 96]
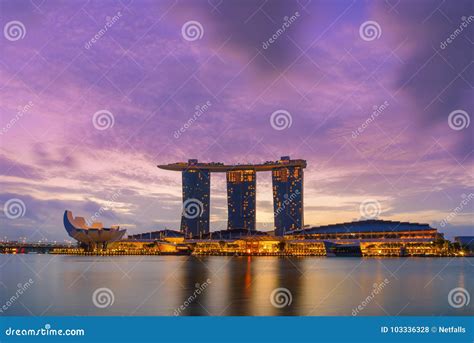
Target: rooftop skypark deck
[222, 168]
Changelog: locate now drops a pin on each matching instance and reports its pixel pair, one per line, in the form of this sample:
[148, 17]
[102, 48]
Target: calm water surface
[242, 286]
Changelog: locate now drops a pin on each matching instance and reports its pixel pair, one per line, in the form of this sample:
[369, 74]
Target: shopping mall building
[360, 238]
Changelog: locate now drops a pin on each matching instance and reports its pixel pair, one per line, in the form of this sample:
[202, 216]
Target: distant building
[287, 196]
[241, 199]
[196, 199]
[287, 176]
[152, 243]
[93, 236]
[233, 234]
[377, 237]
[362, 238]
[165, 235]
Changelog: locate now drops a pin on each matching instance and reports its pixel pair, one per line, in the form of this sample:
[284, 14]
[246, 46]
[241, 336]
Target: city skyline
[85, 120]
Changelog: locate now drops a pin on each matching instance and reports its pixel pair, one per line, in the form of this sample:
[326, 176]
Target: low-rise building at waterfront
[378, 238]
[172, 236]
[358, 238]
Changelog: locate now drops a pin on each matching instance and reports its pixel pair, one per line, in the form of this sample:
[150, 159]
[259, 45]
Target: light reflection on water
[239, 286]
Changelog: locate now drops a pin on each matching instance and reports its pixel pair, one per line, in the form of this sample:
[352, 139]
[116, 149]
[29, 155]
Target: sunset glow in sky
[150, 77]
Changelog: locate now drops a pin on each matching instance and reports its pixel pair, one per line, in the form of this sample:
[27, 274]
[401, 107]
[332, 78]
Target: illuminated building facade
[241, 199]
[287, 177]
[287, 197]
[377, 238]
[196, 199]
[369, 230]
[362, 238]
[259, 246]
[92, 237]
[160, 235]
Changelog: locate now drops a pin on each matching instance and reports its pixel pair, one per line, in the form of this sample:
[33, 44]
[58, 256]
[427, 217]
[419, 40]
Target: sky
[377, 96]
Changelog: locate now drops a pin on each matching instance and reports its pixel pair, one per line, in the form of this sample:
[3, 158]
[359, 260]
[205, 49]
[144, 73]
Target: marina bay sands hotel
[287, 182]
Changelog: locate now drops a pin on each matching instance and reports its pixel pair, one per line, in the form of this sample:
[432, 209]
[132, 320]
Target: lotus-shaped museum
[94, 236]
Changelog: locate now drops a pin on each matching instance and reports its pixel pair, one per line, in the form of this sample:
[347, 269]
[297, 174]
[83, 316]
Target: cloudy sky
[375, 95]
